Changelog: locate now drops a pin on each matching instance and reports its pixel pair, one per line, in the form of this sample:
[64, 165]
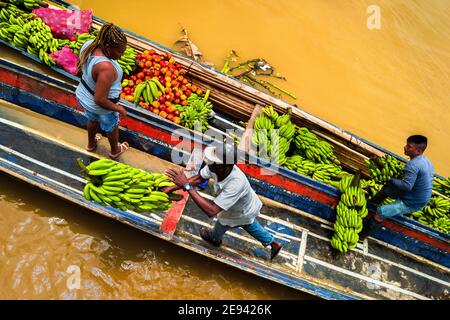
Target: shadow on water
[125, 243]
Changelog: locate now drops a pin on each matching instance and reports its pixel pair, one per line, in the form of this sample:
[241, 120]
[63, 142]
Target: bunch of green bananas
[437, 207]
[128, 60]
[309, 146]
[442, 186]
[350, 211]
[294, 162]
[385, 168]
[366, 184]
[327, 173]
[29, 4]
[30, 34]
[435, 214]
[442, 223]
[299, 164]
[287, 131]
[370, 187]
[124, 187]
[148, 89]
[262, 122]
[12, 20]
[272, 135]
[270, 112]
[260, 139]
[194, 115]
[81, 40]
[279, 146]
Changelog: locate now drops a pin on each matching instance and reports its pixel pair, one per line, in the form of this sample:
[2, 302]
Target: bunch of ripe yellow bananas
[124, 187]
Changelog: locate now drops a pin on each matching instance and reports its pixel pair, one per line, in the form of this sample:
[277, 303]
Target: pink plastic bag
[66, 59]
[65, 24]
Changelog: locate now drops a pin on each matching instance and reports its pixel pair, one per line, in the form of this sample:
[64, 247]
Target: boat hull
[373, 270]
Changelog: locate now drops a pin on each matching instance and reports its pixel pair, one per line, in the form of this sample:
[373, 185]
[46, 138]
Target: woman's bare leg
[113, 138]
[92, 129]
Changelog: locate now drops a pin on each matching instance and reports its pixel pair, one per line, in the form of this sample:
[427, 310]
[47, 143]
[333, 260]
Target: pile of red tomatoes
[170, 74]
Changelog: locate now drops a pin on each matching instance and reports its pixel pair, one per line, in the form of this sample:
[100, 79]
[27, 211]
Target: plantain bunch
[436, 214]
[272, 135]
[308, 145]
[350, 211]
[121, 186]
[385, 168]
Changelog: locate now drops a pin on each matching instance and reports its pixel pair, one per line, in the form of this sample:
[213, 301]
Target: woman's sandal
[98, 136]
[124, 146]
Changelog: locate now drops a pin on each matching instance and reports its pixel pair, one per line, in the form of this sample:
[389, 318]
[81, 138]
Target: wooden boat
[42, 151]
[53, 95]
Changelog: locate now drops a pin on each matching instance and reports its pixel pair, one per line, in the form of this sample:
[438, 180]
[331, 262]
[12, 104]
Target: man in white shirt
[236, 204]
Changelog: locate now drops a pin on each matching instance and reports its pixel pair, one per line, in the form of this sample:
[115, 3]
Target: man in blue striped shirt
[412, 193]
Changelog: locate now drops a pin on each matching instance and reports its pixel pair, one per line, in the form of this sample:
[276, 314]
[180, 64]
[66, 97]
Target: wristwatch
[187, 187]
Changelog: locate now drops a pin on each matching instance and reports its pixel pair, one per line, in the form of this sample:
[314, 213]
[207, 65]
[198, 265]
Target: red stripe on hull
[41, 89]
[420, 236]
[288, 184]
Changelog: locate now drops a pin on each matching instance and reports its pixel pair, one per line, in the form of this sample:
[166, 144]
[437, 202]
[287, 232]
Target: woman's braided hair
[109, 36]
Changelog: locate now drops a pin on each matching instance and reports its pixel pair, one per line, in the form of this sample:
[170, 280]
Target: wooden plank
[173, 215]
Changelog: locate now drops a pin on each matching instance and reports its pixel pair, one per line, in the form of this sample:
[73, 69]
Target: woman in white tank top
[99, 89]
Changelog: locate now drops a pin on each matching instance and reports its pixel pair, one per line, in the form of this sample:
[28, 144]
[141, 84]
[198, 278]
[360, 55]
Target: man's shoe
[206, 235]
[275, 250]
